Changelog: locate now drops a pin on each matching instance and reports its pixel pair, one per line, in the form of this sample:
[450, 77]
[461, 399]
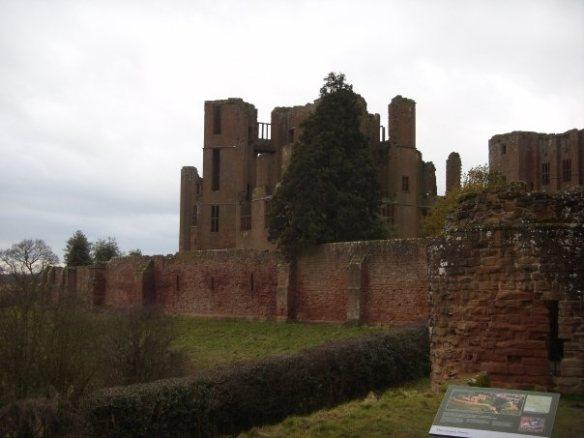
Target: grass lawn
[211, 342]
[406, 411]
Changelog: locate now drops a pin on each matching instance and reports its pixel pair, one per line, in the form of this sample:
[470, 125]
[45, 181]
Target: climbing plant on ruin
[477, 179]
[329, 192]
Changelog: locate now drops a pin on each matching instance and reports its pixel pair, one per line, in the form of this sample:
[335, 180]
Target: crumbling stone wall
[220, 283]
[373, 282]
[376, 282]
[506, 291]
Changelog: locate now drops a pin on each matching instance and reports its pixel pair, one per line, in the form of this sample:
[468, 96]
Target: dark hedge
[233, 399]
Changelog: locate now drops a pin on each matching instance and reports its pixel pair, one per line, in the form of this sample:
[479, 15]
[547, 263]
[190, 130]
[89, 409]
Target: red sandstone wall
[378, 282]
[218, 283]
[123, 281]
[504, 264]
[393, 286]
[397, 289]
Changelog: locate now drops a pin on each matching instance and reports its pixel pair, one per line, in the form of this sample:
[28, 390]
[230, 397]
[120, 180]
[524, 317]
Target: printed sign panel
[491, 412]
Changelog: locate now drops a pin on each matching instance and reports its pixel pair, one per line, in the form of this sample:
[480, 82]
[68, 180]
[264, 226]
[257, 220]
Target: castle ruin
[545, 162]
[243, 161]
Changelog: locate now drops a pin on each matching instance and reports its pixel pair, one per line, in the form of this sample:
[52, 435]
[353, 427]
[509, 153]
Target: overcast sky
[101, 103]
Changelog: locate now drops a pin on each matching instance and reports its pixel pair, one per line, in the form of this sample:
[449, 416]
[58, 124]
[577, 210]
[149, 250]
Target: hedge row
[233, 399]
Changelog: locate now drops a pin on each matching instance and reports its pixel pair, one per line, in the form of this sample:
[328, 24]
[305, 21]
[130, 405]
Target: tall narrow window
[195, 215]
[406, 183]
[291, 135]
[216, 119]
[245, 216]
[247, 192]
[266, 213]
[503, 149]
[545, 174]
[214, 218]
[387, 213]
[216, 177]
[555, 345]
[567, 170]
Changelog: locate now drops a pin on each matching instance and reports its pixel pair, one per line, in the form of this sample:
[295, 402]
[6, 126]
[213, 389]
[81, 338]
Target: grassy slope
[211, 342]
[400, 412]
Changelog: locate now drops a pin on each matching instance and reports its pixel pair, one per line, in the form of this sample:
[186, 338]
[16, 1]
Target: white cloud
[101, 101]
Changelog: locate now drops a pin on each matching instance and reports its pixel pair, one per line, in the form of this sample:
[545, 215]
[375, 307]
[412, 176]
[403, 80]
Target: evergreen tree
[78, 250]
[329, 192]
[105, 249]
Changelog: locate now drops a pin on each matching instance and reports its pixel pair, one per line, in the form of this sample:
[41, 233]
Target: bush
[40, 418]
[229, 400]
[45, 348]
[64, 350]
[139, 348]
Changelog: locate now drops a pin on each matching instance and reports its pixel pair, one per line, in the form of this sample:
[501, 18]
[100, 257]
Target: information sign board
[495, 413]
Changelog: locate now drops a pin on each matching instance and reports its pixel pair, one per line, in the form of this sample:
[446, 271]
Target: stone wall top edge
[221, 254]
[505, 134]
[372, 247]
[376, 242]
[530, 226]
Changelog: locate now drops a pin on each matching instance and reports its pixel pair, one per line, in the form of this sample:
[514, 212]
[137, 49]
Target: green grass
[211, 342]
[407, 411]
[402, 412]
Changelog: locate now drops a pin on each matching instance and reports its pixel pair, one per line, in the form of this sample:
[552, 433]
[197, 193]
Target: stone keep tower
[453, 172]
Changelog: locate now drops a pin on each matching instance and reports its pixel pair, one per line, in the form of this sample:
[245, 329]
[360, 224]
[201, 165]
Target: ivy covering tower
[329, 192]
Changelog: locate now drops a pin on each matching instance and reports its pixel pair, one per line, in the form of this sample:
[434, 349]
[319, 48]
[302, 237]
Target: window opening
[214, 218]
[406, 183]
[216, 169]
[216, 119]
[554, 343]
[545, 174]
[567, 170]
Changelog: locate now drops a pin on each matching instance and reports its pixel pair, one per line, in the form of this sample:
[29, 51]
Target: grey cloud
[101, 101]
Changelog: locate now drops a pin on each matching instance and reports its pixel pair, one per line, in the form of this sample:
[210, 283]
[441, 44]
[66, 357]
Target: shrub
[45, 348]
[139, 348]
[232, 399]
[65, 350]
[40, 418]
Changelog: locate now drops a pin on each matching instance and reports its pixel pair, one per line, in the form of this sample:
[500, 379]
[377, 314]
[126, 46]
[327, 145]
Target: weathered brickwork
[506, 291]
[234, 283]
[378, 282]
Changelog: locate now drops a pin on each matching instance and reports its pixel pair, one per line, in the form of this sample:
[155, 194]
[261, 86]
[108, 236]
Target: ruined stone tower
[402, 121]
[408, 184]
[544, 162]
[453, 172]
[243, 161]
[190, 195]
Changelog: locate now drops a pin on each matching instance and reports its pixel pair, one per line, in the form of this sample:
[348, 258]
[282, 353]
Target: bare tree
[25, 261]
